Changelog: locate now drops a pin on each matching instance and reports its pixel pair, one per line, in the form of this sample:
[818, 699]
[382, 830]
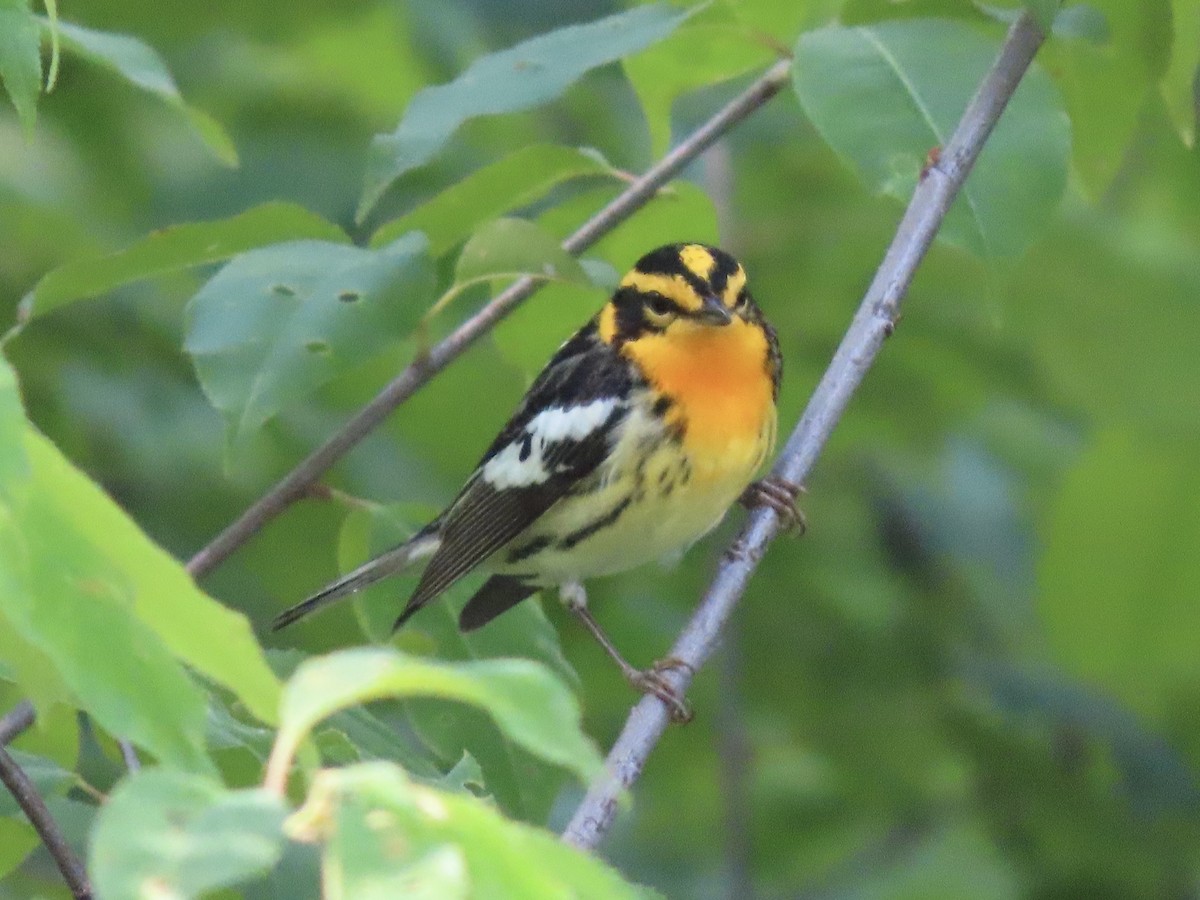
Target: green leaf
[1043, 12]
[1104, 83]
[163, 834]
[14, 466]
[386, 836]
[69, 596]
[277, 323]
[700, 53]
[516, 247]
[21, 59]
[525, 786]
[1179, 83]
[884, 95]
[76, 574]
[487, 193]
[1119, 576]
[531, 706]
[533, 72]
[140, 65]
[174, 248]
[17, 841]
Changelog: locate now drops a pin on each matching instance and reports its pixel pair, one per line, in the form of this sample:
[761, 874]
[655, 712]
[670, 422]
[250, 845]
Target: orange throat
[718, 379]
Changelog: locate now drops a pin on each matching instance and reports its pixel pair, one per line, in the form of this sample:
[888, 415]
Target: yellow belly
[663, 502]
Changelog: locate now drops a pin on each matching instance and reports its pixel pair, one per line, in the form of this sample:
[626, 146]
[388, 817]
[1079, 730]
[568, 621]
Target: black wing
[559, 434]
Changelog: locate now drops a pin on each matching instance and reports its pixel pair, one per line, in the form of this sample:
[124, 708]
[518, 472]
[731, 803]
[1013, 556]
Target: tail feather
[392, 562]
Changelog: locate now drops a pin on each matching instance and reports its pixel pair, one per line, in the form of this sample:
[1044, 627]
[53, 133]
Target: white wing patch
[522, 462]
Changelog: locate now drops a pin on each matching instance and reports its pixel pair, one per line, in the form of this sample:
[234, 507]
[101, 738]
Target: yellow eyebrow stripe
[734, 286]
[673, 287]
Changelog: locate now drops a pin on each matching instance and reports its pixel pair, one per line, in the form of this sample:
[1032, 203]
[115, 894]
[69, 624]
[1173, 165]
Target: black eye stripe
[659, 304]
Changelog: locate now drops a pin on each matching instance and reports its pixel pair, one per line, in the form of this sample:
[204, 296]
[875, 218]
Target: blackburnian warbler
[632, 443]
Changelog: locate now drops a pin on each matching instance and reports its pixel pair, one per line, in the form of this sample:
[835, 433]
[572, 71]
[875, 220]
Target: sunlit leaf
[71, 595]
[14, 466]
[21, 58]
[533, 72]
[164, 834]
[531, 706]
[174, 248]
[278, 322]
[885, 95]
[385, 836]
[489, 192]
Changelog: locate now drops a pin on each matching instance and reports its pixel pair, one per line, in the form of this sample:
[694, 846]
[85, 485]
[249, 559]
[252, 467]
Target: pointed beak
[714, 312]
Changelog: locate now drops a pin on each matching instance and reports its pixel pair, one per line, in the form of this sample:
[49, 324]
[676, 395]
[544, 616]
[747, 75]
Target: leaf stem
[872, 324]
[294, 485]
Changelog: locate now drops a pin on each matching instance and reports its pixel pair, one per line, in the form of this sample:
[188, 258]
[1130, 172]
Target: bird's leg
[779, 494]
[648, 681]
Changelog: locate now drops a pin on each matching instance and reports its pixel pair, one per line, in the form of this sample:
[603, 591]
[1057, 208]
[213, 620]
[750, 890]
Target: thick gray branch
[874, 321]
[296, 483]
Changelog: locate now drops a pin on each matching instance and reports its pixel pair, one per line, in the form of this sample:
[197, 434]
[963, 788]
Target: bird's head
[678, 288]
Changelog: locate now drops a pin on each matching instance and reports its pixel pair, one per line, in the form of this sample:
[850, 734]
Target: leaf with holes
[277, 323]
[885, 95]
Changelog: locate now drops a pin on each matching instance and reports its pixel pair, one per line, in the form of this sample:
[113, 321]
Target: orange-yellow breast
[718, 379]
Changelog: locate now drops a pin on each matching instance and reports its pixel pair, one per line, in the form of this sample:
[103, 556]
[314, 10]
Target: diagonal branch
[872, 324]
[34, 807]
[16, 721]
[296, 483]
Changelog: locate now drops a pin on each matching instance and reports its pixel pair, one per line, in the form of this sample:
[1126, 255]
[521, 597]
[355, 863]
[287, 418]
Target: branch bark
[296, 483]
[26, 795]
[15, 721]
[872, 324]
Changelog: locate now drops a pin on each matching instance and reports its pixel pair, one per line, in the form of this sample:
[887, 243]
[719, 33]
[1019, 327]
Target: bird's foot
[780, 495]
[653, 681]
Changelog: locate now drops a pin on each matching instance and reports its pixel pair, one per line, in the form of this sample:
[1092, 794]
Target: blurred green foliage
[975, 676]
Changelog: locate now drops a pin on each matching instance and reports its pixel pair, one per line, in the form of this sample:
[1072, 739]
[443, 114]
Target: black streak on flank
[537, 545]
[526, 447]
[591, 528]
[661, 405]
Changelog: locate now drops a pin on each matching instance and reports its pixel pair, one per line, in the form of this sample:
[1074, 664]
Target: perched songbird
[631, 444]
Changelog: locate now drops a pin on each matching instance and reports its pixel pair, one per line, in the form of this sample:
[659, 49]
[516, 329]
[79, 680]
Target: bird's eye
[743, 300]
[660, 307]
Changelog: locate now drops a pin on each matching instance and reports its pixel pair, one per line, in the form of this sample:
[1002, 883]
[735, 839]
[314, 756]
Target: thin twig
[35, 810]
[872, 324]
[296, 483]
[15, 721]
